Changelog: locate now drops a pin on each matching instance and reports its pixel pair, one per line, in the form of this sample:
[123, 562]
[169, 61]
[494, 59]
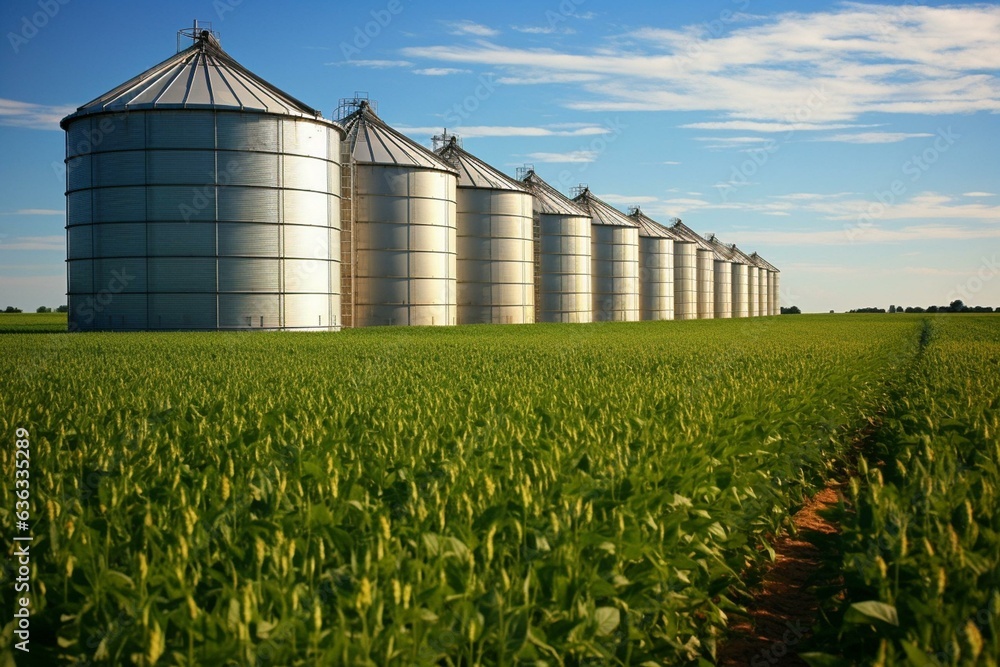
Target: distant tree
[792, 310]
[892, 309]
[62, 309]
[12, 309]
[956, 306]
[917, 309]
[43, 309]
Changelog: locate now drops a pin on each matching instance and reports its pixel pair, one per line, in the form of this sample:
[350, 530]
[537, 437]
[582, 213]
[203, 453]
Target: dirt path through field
[784, 608]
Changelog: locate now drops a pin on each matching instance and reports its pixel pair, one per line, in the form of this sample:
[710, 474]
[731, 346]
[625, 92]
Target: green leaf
[824, 660]
[917, 657]
[871, 611]
[607, 619]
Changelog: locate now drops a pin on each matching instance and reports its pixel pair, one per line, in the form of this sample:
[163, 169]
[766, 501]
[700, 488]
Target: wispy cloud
[671, 162]
[627, 199]
[479, 131]
[36, 211]
[32, 116]
[543, 29]
[440, 71]
[833, 66]
[865, 235]
[55, 242]
[466, 27]
[374, 64]
[569, 157]
[874, 137]
[978, 194]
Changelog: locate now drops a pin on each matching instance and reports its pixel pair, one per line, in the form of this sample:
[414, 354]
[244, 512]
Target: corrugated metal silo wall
[706, 284]
[656, 278]
[723, 289]
[405, 246]
[740, 290]
[564, 293]
[615, 273]
[201, 219]
[762, 299]
[685, 281]
[496, 271]
[775, 285]
[753, 283]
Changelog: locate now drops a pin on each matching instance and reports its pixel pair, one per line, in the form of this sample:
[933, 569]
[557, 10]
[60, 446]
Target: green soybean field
[601, 494]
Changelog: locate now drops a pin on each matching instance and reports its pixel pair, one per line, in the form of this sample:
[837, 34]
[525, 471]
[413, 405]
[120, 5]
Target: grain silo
[562, 245]
[763, 285]
[773, 300]
[753, 289]
[741, 281]
[404, 229]
[614, 260]
[685, 276]
[656, 268]
[199, 196]
[496, 272]
[724, 265]
[705, 270]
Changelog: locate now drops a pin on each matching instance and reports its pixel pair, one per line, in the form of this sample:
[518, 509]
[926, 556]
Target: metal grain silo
[685, 276]
[723, 278]
[656, 268]
[201, 197]
[763, 300]
[705, 270]
[773, 301]
[776, 292]
[495, 249]
[753, 291]
[404, 229]
[562, 243]
[741, 282]
[614, 260]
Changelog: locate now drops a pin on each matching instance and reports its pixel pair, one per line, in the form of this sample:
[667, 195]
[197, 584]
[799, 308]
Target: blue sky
[853, 145]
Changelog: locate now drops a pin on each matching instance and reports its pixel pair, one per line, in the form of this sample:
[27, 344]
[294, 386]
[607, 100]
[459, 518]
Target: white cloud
[757, 126]
[978, 194]
[37, 211]
[627, 199]
[479, 131]
[569, 157]
[440, 71]
[55, 242]
[466, 27]
[32, 116]
[374, 64]
[795, 70]
[865, 235]
[671, 162]
[874, 137]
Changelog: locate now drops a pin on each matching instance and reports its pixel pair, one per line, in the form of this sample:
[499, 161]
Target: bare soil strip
[784, 608]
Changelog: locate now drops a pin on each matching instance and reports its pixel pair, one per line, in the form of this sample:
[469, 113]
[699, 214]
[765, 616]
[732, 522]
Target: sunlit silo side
[405, 244]
[614, 260]
[753, 290]
[763, 300]
[562, 275]
[656, 268]
[776, 293]
[201, 197]
[771, 303]
[495, 249]
[741, 282]
[723, 278]
[705, 270]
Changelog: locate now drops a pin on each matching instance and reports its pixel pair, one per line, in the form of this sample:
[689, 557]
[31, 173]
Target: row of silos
[201, 197]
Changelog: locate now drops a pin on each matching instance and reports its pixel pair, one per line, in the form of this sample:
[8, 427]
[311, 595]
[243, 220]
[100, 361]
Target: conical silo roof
[689, 234]
[723, 251]
[601, 212]
[763, 263]
[650, 227]
[550, 201]
[740, 256]
[473, 172]
[203, 76]
[372, 141]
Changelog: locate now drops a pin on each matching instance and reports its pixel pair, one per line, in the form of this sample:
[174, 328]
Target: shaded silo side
[562, 272]
[776, 293]
[656, 268]
[405, 243]
[614, 261]
[741, 282]
[704, 269]
[723, 278]
[495, 249]
[199, 196]
[763, 300]
[773, 306]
